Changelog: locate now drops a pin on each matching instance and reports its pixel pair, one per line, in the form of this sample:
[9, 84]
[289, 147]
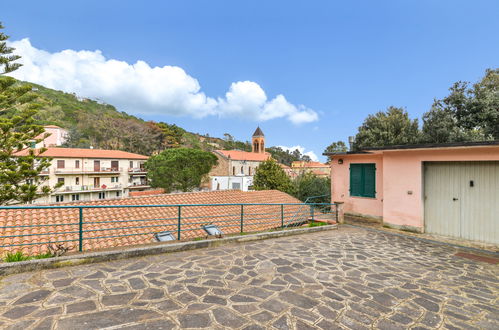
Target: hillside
[101, 125]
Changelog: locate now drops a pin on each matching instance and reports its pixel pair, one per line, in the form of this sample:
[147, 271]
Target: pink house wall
[403, 173]
[399, 181]
[340, 185]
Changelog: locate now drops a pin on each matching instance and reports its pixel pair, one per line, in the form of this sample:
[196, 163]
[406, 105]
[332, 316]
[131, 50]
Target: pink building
[444, 189]
[56, 138]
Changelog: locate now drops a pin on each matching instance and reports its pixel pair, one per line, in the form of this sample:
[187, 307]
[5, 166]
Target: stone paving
[351, 278]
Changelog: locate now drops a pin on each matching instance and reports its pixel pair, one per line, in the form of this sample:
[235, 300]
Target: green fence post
[312, 212]
[282, 215]
[80, 229]
[179, 219]
[242, 218]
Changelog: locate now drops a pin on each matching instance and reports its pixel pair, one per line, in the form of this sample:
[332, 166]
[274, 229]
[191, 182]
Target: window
[131, 164]
[77, 181]
[242, 169]
[60, 164]
[236, 185]
[96, 182]
[77, 164]
[118, 193]
[29, 181]
[59, 198]
[249, 170]
[363, 180]
[59, 180]
[114, 179]
[233, 170]
[102, 195]
[115, 164]
[75, 197]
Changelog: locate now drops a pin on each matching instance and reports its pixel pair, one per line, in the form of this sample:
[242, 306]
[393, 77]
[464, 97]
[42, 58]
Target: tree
[20, 165]
[466, 114]
[390, 127]
[286, 157]
[269, 176]
[338, 146]
[308, 184]
[179, 168]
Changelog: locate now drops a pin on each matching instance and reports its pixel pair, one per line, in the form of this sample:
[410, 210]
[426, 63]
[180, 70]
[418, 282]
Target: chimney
[351, 141]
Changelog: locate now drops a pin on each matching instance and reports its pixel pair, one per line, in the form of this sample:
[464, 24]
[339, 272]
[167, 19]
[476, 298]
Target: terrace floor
[349, 278]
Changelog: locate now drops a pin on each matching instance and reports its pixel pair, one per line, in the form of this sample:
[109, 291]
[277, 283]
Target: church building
[236, 168]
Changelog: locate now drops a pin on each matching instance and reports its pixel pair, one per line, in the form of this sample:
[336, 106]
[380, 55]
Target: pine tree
[20, 165]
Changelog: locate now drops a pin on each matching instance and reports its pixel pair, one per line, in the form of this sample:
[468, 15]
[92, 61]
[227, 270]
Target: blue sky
[340, 60]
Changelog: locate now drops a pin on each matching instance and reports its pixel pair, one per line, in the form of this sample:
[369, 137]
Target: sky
[307, 72]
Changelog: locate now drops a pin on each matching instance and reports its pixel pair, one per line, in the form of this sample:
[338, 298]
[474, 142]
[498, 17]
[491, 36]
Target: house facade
[56, 138]
[443, 189]
[235, 168]
[93, 174]
[316, 168]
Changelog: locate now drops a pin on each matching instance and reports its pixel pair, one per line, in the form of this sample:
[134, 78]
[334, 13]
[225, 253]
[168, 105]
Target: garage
[461, 200]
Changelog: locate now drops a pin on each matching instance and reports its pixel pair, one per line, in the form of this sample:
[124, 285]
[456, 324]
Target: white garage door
[462, 200]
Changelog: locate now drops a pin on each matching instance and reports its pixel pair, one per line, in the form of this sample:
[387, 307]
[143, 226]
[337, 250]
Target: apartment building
[93, 174]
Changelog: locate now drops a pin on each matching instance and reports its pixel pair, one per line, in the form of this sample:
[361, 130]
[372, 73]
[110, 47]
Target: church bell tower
[258, 142]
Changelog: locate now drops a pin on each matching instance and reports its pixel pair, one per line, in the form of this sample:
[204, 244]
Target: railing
[87, 227]
[82, 188]
[137, 170]
[103, 170]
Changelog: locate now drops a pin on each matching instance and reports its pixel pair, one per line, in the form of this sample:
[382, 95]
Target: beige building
[93, 174]
[317, 168]
[56, 138]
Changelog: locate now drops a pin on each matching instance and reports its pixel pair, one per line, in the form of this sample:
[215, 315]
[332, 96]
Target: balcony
[102, 170]
[139, 171]
[138, 185]
[87, 188]
[44, 172]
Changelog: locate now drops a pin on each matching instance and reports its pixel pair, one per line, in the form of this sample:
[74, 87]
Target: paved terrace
[349, 278]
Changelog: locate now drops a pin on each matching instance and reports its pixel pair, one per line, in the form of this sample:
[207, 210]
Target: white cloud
[301, 149]
[139, 88]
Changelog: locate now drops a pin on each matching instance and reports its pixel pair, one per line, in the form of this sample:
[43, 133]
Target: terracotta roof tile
[243, 155]
[101, 225]
[308, 164]
[86, 153]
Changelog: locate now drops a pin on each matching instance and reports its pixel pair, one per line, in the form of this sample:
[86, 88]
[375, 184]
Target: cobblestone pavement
[350, 278]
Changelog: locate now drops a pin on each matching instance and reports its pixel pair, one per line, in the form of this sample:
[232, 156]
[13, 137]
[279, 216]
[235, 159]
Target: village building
[92, 174]
[236, 168]
[57, 136]
[443, 189]
[316, 168]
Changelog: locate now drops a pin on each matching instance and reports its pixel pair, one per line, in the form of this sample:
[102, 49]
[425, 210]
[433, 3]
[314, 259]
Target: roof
[258, 132]
[140, 223]
[308, 164]
[419, 146]
[244, 155]
[85, 153]
[52, 126]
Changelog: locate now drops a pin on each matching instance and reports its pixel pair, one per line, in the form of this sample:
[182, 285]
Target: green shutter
[369, 180]
[355, 179]
[363, 180]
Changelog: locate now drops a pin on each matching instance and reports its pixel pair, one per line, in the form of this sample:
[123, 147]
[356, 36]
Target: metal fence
[32, 229]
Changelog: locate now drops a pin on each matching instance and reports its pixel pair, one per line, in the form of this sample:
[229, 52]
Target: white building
[239, 182]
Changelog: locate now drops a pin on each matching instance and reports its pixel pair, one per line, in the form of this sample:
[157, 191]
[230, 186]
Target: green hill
[93, 123]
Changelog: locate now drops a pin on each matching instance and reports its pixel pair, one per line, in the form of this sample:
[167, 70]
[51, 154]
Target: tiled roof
[308, 164]
[86, 153]
[244, 155]
[139, 223]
